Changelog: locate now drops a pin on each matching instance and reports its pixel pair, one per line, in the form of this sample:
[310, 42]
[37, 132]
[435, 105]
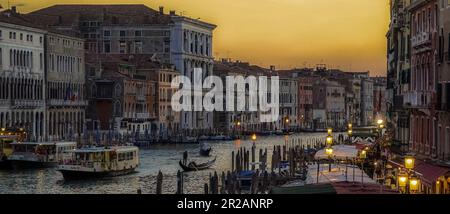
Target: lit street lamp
[330, 131]
[254, 138]
[329, 140]
[409, 162]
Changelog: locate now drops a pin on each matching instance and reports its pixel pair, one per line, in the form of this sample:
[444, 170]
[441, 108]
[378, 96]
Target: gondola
[205, 152]
[192, 166]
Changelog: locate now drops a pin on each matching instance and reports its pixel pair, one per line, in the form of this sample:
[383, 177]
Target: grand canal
[153, 159]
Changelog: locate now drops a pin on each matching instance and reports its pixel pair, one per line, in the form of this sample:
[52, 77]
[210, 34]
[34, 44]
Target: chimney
[13, 9]
[272, 67]
[172, 12]
[161, 10]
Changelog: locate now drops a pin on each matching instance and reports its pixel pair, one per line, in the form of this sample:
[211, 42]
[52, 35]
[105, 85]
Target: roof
[44, 143]
[11, 17]
[340, 152]
[334, 188]
[108, 14]
[104, 149]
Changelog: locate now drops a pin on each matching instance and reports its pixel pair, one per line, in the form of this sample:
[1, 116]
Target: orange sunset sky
[345, 34]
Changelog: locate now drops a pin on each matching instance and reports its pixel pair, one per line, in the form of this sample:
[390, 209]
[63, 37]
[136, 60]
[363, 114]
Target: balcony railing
[54, 102]
[421, 38]
[418, 99]
[27, 103]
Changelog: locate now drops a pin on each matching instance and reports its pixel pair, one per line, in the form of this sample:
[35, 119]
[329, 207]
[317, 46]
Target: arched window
[118, 90]
[117, 109]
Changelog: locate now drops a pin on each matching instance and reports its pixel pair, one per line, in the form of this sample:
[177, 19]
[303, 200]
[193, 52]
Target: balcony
[54, 102]
[27, 103]
[421, 39]
[140, 98]
[142, 115]
[417, 99]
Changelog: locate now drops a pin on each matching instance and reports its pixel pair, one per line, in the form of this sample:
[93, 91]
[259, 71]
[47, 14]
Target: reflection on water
[157, 157]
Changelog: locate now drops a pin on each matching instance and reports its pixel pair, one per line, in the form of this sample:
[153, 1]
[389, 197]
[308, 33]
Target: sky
[344, 34]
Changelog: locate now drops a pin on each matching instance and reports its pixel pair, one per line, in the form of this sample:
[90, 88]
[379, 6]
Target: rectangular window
[106, 33]
[107, 47]
[138, 33]
[122, 33]
[122, 47]
[138, 47]
[21, 36]
[41, 64]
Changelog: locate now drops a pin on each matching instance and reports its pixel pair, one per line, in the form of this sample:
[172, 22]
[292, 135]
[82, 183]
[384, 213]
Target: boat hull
[80, 175]
[5, 164]
[23, 164]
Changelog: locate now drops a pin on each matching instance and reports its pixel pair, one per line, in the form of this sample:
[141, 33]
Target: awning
[429, 173]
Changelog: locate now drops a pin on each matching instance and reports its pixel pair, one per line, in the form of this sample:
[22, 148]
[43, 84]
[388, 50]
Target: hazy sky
[346, 34]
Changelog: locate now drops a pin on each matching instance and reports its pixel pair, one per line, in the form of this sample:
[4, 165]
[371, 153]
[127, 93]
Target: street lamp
[409, 162]
[330, 131]
[413, 184]
[402, 180]
[350, 126]
[329, 140]
[329, 152]
[254, 137]
[350, 132]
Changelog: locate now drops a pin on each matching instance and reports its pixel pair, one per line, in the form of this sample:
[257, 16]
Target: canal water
[153, 159]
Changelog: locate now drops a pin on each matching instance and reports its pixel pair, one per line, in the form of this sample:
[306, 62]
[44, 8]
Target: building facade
[65, 91]
[421, 97]
[191, 48]
[169, 120]
[22, 76]
[305, 102]
[288, 102]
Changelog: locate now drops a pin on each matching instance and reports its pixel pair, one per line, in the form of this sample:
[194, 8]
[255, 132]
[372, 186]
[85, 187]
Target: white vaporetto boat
[39, 154]
[93, 162]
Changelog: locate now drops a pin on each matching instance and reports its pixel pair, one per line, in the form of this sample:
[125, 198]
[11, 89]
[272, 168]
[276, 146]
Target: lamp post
[286, 124]
[329, 152]
[362, 156]
[254, 138]
[413, 180]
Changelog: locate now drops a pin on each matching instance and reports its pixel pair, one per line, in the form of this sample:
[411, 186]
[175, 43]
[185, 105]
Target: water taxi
[95, 162]
[7, 137]
[39, 154]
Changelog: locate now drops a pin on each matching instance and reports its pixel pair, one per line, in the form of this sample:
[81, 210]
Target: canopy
[340, 152]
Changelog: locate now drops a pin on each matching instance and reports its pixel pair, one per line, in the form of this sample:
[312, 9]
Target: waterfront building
[367, 117]
[140, 30]
[399, 73]
[168, 120]
[191, 47]
[112, 29]
[443, 87]
[379, 97]
[305, 102]
[22, 75]
[122, 97]
[421, 96]
[288, 101]
[65, 86]
[328, 104]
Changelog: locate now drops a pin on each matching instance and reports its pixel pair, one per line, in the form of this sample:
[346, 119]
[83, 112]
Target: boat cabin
[40, 151]
[103, 158]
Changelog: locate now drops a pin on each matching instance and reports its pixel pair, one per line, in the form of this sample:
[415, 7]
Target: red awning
[430, 173]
